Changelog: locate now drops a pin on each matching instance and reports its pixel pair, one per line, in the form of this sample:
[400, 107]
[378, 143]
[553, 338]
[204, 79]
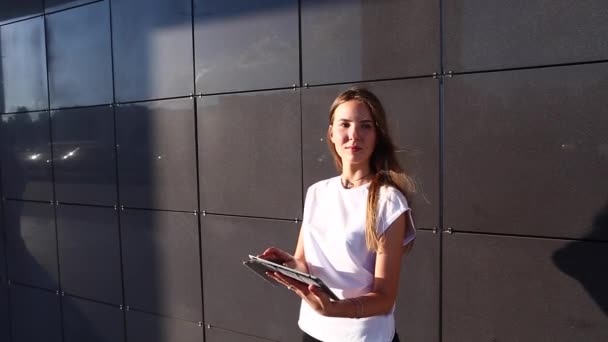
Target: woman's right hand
[279, 256]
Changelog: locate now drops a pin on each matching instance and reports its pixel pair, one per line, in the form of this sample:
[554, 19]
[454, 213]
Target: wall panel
[35, 315]
[31, 244]
[23, 83]
[143, 327]
[526, 151]
[245, 45]
[351, 41]
[523, 289]
[84, 155]
[482, 35]
[89, 321]
[79, 56]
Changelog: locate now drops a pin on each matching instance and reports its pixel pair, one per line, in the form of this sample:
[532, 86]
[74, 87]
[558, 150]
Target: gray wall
[148, 146]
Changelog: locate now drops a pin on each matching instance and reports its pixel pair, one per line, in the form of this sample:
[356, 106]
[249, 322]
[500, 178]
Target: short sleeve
[392, 203]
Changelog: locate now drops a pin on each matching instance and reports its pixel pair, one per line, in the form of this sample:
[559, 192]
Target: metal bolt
[120, 307]
[200, 324]
[305, 85]
[434, 230]
[208, 326]
[122, 207]
[195, 213]
[434, 75]
[204, 213]
[449, 230]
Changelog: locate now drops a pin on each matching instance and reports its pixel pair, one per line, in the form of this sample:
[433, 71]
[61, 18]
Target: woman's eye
[344, 124]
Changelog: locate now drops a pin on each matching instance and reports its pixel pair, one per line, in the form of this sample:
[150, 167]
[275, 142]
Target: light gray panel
[249, 154]
[35, 315]
[412, 114]
[245, 45]
[142, 327]
[156, 154]
[249, 305]
[481, 34]
[526, 152]
[31, 244]
[152, 46]
[161, 263]
[417, 308]
[79, 56]
[26, 156]
[351, 41]
[85, 158]
[92, 322]
[89, 252]
[23, 85]
[524, 289]
[213, 334]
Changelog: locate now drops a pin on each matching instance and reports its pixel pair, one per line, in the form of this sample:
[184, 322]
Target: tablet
[261, 266]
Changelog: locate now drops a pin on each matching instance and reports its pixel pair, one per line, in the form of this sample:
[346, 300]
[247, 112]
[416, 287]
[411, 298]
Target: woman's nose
[354, 132]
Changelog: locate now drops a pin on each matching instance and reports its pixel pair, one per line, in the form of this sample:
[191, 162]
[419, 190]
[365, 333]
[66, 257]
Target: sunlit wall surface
[148, 146]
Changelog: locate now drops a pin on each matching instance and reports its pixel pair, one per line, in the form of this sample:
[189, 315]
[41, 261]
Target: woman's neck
[354, 176]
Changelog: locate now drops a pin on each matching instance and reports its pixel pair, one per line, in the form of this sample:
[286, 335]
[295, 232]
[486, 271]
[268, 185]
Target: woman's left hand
[313, 295]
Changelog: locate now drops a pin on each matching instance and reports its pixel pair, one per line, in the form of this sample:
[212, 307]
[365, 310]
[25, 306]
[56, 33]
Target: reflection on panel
[226, 241]
[31, 243]
[249, 154]
[520, 289]
[26, 156]
[156, 155]
[57, 5]
[245, 45]
[411, 107]
[417, 309]
[527, 151]
[481, 34]
[213, 334]
[79, 56]
[16, 10]
[152, 48]
[35, 315]
[83, 148]
[89, 252]
[161, 263]
[89, 321]
[23, 85]
[349, 41]
[151, 328]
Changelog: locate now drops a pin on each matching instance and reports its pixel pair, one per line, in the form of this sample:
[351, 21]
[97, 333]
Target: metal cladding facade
[147, 147]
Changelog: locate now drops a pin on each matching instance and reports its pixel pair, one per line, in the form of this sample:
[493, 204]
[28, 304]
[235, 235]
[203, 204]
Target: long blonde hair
[384, 166]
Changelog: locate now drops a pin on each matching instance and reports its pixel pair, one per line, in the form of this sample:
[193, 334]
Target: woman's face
[353, 133]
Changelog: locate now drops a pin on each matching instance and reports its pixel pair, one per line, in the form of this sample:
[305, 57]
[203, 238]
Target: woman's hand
[313, 295]
[279, 256]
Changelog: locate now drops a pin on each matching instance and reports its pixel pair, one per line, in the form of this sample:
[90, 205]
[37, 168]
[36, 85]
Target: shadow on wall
[588, 265]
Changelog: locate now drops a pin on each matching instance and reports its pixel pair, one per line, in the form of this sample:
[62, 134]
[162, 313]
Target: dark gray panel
[161, 263]
[15, 10]
[56, 5]
[244, 45]
[417, 308]
[482, 34]
[527, 151]
[156, 156]
[520, 289]
[258, 133]
[35, 315]
[412, 114]
[142, 327]
[349, 41]
[152, 49]
[79, 56]
[213, 334]
[92, 322]
[226, 242]
[85, 161]
[31, 244]
[89, 252]
[23, 85]
[26, 156]
[4, 312]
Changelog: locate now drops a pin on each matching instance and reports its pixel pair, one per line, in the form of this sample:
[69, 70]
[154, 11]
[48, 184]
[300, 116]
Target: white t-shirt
[334, 245]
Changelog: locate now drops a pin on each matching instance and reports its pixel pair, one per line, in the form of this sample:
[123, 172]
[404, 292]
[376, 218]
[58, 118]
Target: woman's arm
[386, 281]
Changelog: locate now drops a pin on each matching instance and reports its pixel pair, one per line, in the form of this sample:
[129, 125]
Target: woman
[355, 229]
